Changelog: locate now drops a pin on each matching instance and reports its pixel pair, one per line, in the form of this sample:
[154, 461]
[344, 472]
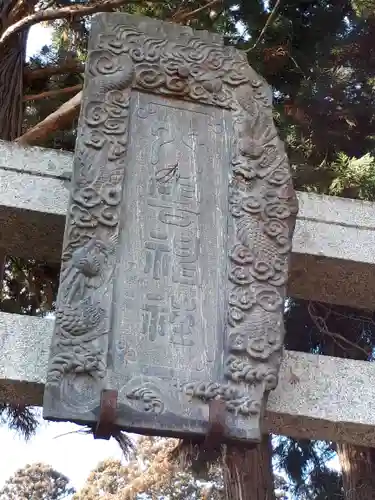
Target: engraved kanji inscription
[158, 255]
[186, 249]
[183, 321]
[155, 317]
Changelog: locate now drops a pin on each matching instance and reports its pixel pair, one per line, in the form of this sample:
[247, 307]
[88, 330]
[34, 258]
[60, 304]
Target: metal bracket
[108, 409]
[216, 425]
[209, 450]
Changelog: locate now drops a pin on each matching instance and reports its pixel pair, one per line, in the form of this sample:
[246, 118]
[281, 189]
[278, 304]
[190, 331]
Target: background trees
[150, 472]
[36, 482]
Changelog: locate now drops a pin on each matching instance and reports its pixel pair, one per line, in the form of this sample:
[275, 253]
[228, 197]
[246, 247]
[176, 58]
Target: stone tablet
[178, 236]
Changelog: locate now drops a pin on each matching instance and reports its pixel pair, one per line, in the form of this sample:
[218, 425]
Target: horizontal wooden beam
[333, 248]
[318, 397]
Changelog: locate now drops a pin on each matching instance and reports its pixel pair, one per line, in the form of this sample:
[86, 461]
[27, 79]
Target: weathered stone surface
[333, 257]
[321, 397]
[332, 399]
[324, 266]
[178, 236]
[33, 200]
[24, 346]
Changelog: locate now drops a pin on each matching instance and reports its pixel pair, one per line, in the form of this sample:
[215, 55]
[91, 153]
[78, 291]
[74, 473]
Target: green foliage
[36, 482]
[305, 463]
[364, 8]
[149, 475]
[317, 57]
[19, 418]
[106, 480]
[354, 176]
[29, 287]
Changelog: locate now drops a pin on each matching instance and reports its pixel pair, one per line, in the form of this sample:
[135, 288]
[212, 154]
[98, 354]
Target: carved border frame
[194, 66]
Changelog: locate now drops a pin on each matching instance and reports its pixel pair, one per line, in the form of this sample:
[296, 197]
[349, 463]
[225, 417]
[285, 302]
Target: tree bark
[58, 120]
[248, 473]
[12, 60]
[11, 87]
[358, 471]
[67, 12]
[70, 67]
[75, 11]
[52, 93]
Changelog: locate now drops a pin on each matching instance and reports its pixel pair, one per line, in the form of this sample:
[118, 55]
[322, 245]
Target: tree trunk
[358, 471]
[11, 86]
[58, 120]
[12, 60]
[248, 473]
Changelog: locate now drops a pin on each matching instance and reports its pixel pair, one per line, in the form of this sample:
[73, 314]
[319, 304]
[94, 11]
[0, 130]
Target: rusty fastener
[107, 416]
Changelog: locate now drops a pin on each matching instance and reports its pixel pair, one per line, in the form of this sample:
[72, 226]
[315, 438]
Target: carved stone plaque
[178, 236]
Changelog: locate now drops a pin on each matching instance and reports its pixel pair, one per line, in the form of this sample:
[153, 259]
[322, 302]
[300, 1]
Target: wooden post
[248, 472]
[2, 271]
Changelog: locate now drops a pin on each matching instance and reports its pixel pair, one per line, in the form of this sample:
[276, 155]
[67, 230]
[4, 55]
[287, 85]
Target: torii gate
[317, 397]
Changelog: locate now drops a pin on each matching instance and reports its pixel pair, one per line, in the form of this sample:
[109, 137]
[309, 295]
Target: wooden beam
[318, 397]
[31, 74]
[52, 93]
[333, 247]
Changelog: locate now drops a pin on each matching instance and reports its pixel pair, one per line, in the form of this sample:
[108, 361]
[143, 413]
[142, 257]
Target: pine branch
[52, 93]
[180, 9]
[69, 12]
[58, 120]
[40, 73]
[265, 27]
[64, 116]
[188, 15]
[19, 418]
[321, 325]
[75, 11]
[216, 16]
